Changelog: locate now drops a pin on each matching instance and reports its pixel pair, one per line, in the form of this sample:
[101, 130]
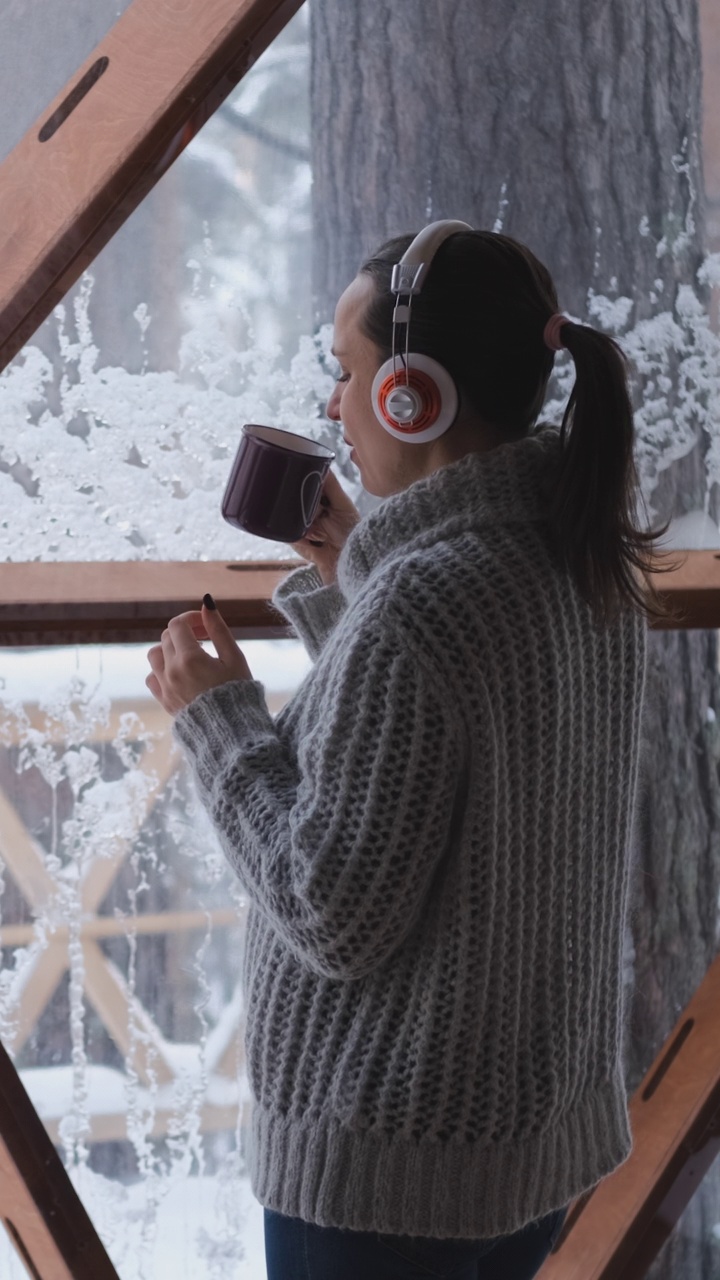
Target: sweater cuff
[214, 724]
[312, 608]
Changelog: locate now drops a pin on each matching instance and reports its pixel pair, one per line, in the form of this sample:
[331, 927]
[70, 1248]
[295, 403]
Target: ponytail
[488, 293]
[593, 506]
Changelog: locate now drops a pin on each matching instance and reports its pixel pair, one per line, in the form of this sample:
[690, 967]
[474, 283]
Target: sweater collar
[503, 486]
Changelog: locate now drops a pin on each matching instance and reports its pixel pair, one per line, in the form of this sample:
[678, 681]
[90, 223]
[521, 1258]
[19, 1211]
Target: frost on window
[674, 366]
[121, 927]
[122, 416]
[122, 930]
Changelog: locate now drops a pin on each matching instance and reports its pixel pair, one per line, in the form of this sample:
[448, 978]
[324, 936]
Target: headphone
[413, 396]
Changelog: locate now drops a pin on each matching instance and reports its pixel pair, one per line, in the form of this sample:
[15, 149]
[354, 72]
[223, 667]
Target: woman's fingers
[156, 658]
[181, 630]
[226, 646]
[154, 686]
[180, 667]
[326, 536]
[335, 494]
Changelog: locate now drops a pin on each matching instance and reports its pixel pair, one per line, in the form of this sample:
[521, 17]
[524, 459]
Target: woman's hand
[181, 669]
[328, 533]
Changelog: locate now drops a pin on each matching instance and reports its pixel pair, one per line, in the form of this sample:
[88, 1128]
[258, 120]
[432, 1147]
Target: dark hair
[482, 314]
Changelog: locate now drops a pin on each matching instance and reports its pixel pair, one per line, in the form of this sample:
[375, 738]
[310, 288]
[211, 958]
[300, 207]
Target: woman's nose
[333, 405]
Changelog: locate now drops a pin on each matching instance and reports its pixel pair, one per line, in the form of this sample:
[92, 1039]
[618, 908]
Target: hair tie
[551, 332]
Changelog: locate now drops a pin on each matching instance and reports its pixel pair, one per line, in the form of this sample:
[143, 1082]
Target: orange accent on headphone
[428, 391]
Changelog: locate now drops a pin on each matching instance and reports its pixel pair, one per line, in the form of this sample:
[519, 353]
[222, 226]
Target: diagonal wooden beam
[108, 137]
[23, 857]
[129, 1024]
[39, 1206]
[102, 870]
[36, 986]
[42, 973]
[617, 1232]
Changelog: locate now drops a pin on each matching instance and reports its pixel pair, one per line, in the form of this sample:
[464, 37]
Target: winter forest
[121, 928]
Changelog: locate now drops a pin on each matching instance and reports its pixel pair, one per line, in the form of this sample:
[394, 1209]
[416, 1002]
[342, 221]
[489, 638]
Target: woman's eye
[342, 377]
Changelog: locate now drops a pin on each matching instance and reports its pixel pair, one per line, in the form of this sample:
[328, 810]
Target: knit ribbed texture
[312, 608]
[433, 835]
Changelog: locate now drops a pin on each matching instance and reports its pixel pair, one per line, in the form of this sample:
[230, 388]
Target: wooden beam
[129, 1024]
[131, 601]
[158, 764]
[152, 922]
[111, 1126]
[24, 858]
[39, 1206]
[691, 591]
[616, 1232]
[35, 986]
[108, 137]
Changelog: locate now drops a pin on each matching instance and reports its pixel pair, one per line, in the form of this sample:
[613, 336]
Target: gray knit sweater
[433, 835]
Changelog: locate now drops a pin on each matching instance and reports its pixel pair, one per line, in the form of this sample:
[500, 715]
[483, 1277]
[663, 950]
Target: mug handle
[309, 516]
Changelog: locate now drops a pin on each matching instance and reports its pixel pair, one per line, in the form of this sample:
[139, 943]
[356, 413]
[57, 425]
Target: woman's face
[386, 465]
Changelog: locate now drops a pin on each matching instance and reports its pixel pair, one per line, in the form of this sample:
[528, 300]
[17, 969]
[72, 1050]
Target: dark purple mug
[275, 484]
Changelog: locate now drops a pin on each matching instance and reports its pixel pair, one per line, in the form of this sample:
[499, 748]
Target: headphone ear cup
[419, 408]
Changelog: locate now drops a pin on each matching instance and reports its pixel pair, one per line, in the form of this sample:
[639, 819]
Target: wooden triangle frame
[108, 137]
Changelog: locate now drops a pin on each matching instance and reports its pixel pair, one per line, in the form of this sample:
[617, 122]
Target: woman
[433, 834]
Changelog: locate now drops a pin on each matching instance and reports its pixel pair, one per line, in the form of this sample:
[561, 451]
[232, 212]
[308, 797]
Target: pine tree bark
[575, 128]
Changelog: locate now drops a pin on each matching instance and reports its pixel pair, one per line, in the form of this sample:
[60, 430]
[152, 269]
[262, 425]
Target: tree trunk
[561, 121]
[574, 128]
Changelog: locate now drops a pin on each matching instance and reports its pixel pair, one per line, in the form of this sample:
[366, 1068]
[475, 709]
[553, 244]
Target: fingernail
[208, 601]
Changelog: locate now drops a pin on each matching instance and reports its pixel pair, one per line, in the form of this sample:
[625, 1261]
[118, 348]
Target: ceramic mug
[275, 483]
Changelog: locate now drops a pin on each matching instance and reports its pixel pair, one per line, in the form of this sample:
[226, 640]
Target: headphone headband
[409, 273]
[414, 397]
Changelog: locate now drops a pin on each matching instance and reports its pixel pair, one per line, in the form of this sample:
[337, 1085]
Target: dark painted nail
[208, 601]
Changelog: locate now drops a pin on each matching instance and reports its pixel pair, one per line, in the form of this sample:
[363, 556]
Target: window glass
[692, 1252]
[128, 403]
[121, 929]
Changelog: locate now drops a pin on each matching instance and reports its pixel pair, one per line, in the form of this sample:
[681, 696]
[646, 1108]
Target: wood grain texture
[69, 603]
[171, 64]
[675, 1119]
[131, 601]
[38, 1202]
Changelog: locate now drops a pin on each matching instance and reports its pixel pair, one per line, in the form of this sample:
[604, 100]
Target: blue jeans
[297, 1250]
